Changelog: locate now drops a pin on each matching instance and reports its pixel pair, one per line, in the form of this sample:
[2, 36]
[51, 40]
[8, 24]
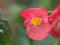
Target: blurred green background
[12, 31]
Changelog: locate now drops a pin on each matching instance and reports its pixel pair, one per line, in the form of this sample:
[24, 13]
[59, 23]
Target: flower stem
[49, 12]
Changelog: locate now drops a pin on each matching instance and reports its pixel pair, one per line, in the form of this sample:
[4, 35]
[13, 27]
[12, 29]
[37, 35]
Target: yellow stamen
[36, 21]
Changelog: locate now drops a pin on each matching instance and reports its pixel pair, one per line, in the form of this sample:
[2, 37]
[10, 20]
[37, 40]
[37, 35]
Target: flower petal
[27, 22]
[27, 13]
[42, 12]
[55, 34]
[57, 10]
[55, 31]
[55, 14]
[55, 22]
[38, 32]
[34, 12]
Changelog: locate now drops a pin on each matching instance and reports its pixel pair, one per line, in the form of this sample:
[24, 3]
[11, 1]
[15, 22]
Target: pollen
[36, 21]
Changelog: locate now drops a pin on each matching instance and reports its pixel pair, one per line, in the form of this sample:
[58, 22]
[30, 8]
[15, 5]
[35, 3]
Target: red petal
[57, 10]
[55, 31]
[55, 35]
[55, 22]
[42, 12]
[55, 14]
[27, 22]
[38, 32]
[27, 13]
[34, 12]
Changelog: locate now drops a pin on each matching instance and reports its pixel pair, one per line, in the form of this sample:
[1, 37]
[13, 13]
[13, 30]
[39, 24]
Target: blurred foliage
[24, 2]
[5, 34]
[20, 37]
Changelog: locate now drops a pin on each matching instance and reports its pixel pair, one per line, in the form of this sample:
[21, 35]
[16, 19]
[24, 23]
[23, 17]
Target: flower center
[36, 21]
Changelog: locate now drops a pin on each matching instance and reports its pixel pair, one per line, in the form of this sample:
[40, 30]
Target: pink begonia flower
[36, 22]
[55, 22]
